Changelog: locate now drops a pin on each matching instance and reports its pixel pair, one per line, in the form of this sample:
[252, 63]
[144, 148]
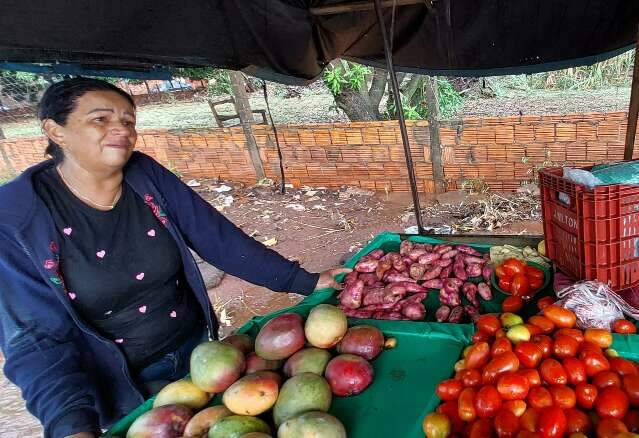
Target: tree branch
[378, 86]
[412, 86]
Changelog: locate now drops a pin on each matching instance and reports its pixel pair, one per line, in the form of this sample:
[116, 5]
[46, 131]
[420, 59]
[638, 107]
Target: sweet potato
[449, 294]
[443, 262]
[432, 273]
[368, 278]
[376, 254]
[446, 272]
[442, 248]
[408, 262]
[411, 287]
[400, 265]
[394, 316]
[394, 290]
[367, 265]
[414, 311]
[428, 258]
[416, 253]
[470, 260]
[415, 298]
[456, 282]
[373, 296]
[472, 312]
[397, 276]
[473, 270]
[383, 266]
[378, 307]
[351, 277]
[484, 291]
[405, 247]
[427, 246]
[468, 250]
[441, 315]
[417, 271]
[351, 313]
[487, 273]
[470, 292]
[450, 254]
[456, 315]
[351, 296]
[459, 271]
[435, 283]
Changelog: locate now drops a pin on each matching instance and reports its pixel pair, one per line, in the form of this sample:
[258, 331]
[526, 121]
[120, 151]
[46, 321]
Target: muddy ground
[317, 227]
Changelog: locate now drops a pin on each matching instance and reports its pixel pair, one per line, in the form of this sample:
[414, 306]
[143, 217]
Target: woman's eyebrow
[97, 110]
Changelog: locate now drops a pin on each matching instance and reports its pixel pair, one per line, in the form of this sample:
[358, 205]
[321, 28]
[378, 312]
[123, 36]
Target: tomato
[528, 353]
[565, 346]
[562, 318]
[533, 272]
[577, 422]
[506, 424]
[449, 389]
[552, 372]
[512, 304]
[533, 329]
[612, 402]
[600, 337]
[535, 283]
[631, 420]
[622, 366]
[481, 336]
[482, 428]
[500, 346]
[533, 377]
[610, 428]
[586, 395]
[552, 422]
[505, 284]
[449, 409]
[545, 302]
[514, 267]
[575, 369]
[575, 333]
[624, 326]
[478, 355]
[520, 287]
[466, 405]
[594, 362]
[502, 363]
[513, 386]
[563, 396]
[517, 407]
[530, 419]
[500, 272]
[543, 323]
[436, 425]
[604, 379]
[487, 401]
[545, 343]
[631, 386]
[470, 378]
[489, 324]
[539, 398]
[528, 434]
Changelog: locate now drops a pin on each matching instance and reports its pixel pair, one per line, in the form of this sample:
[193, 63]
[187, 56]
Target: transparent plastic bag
[594, 304]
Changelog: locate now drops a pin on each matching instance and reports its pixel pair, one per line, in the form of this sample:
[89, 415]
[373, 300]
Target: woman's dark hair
[59, 100]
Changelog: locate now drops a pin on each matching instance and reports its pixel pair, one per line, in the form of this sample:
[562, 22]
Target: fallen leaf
[270, 242]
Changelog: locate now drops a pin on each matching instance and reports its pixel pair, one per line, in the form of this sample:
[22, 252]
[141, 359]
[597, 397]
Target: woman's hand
[327, 278]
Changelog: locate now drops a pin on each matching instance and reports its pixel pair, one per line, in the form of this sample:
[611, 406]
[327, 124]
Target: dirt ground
[317, 227]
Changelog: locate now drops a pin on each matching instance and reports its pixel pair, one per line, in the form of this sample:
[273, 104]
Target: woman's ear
[53, 131]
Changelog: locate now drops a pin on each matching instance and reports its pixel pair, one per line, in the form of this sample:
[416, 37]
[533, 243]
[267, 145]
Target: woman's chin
[115, 157]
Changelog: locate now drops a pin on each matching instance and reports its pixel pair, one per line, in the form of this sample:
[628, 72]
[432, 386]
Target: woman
[101, 301]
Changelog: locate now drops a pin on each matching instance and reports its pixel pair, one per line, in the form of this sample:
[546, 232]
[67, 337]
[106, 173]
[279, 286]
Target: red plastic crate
[591, 235]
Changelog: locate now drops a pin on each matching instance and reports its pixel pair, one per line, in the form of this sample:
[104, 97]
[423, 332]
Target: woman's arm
[42, 361]
[218, 241]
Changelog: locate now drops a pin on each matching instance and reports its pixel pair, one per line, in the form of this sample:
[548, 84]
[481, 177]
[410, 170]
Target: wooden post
[633, 110]
[435, 141]
[243, 108]
[5, 157]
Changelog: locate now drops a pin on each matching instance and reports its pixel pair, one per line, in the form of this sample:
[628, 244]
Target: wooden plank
[633, 110]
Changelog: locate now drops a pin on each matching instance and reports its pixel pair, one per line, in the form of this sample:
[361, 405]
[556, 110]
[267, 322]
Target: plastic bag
[582, 177]
[594, 304]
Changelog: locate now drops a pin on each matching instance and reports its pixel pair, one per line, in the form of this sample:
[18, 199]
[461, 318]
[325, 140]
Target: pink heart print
[173, 314]
[101, 253]
[119, 341]
[67, 231]
[72, 295]
[142, 309]
[140, 276]
[151, 233]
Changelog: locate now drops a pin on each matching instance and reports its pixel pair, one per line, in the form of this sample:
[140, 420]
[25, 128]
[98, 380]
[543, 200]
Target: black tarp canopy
[293, 40]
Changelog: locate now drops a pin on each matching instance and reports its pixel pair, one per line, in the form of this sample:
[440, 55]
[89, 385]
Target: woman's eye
[99, 119]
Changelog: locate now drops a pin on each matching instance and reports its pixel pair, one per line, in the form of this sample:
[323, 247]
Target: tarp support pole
[344, 8]
[633, 110]
[400, 113]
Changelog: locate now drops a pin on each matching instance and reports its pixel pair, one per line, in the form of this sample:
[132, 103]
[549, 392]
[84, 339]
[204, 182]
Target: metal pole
[633, 110]
[402, 123]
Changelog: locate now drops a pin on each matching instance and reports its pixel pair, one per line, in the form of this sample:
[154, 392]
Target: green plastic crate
[403, 391]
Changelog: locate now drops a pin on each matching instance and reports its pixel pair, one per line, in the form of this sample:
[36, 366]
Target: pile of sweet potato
[393, 285]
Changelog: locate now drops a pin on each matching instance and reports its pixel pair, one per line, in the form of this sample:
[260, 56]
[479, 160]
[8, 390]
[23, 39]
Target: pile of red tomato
[562, 382]
[519, 279]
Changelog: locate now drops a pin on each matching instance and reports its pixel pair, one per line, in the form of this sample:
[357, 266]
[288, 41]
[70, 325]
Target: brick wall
[503, 152]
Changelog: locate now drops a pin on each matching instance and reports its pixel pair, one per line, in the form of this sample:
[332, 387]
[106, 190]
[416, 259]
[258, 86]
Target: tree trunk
[356, 105]
[378, 87]
[433, 127]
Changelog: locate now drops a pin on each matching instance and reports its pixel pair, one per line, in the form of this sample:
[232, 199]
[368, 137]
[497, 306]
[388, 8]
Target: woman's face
[99, 134]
